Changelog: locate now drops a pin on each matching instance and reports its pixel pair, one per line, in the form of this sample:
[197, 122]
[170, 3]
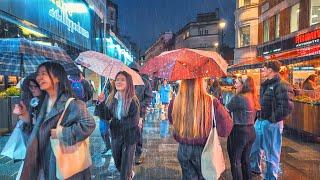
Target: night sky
[145, 20]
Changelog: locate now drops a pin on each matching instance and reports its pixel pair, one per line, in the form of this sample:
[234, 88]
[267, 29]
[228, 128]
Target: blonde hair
[191, 112]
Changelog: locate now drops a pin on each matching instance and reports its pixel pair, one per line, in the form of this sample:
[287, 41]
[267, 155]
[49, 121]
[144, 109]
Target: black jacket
[276, 96]
[144, 94]
[126, 127]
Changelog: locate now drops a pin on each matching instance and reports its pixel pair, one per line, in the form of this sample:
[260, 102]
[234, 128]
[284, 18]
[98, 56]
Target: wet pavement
[300, 160]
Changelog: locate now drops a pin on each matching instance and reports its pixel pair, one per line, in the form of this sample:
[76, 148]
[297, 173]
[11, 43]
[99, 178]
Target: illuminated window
[315, 12]
[244, 3]
[266, 31]
[294, 21]
[277, 25]
[244, 36]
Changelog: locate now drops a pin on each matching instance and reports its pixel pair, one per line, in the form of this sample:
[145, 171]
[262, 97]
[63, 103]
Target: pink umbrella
[106, 66]
[186, 64]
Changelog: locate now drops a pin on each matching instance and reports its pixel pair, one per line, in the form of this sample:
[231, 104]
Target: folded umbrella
[106, 66]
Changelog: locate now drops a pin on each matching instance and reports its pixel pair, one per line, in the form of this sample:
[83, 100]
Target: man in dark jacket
[276, 105]
[144, 94]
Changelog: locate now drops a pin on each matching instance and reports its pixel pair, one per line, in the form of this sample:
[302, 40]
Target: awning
[286, 58]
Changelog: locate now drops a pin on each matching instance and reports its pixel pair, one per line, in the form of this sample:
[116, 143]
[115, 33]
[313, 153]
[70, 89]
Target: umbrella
[186, 64]
[106, 66]
[20, 57]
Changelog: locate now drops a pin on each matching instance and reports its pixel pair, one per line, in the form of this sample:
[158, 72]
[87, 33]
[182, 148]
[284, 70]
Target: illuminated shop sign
[308, 38]
[65, 19]
[64, 11]
[305, 40]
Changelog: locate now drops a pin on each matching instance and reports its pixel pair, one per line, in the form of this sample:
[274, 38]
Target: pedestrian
[123, 112]
[243, 106]
[276, 104]
[215, 90]
[310, 83]
[165, 91]
[144, 94]
[77, 125]
[81, 88]
[192, 121]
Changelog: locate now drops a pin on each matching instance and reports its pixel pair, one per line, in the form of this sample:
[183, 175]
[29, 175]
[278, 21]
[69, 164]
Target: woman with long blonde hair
[192, 121]
[243, 107]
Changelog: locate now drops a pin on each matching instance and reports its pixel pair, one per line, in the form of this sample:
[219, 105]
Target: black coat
[279, 93]
[127, 127]
[144, 94]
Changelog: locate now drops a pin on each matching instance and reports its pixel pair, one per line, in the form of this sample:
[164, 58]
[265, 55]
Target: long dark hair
[129, 92]
[58, 71]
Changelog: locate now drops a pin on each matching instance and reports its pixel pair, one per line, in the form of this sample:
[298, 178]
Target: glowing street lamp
[222, 25]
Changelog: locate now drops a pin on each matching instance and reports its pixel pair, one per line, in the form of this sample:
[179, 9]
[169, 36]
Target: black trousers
[139, 143]
[123, 155]
[239, 146]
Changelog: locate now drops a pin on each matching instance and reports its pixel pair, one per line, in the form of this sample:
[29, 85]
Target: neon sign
[308, 38]
[63, 14]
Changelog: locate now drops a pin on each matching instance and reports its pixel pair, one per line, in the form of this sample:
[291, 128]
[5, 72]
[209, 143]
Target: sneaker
[138, 160]
[132, 174]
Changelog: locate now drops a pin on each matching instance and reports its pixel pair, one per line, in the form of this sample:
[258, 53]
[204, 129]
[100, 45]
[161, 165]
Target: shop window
[266, 31]
[244, 36]
[315, 12]
[277, 26]
[294, 21]
[244, 3]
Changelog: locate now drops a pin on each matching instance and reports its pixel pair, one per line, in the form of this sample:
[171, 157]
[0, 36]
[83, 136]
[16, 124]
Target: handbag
[15, 147]
[212, 160]
[224, 123]
[70, 160]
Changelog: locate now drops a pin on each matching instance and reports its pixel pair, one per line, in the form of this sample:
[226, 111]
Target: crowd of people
[190, 107]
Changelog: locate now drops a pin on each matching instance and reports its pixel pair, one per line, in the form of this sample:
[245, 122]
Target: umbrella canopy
[21, 57]
[106, 66]
[186, 64]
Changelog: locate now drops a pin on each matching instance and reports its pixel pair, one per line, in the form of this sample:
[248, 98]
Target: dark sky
[144, 20]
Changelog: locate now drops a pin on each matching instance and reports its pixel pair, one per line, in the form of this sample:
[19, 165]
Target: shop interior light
[27, 31]
[76, 7]
[317, 68]
[43, 43]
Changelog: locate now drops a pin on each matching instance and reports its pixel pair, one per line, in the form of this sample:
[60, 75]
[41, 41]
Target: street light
[222, 25]
[216, 44]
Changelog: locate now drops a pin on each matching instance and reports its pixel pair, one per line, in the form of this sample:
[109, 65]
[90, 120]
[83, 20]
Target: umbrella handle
[103, 88]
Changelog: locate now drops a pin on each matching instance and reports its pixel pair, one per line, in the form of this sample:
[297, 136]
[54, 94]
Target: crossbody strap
[213, 114]
[64, 111]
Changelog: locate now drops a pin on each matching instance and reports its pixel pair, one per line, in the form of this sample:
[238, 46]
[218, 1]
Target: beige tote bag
[70, 160]
[212, 160]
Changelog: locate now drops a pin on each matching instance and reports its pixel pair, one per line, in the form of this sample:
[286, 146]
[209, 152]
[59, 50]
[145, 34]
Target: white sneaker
[132, 174]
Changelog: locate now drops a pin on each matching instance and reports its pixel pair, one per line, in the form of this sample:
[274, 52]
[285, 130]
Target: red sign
[307, 36]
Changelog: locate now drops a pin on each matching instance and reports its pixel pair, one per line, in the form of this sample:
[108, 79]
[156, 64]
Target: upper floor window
[294, 21]
[200, 31]
[277, 26]
[266, 30]
[206, 31]
[244, 36]
[244, 3]
[314, 12]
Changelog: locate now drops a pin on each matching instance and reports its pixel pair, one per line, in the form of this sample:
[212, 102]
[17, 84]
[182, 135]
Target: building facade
[289, 31]
[246, 34]
[201, 34]
[164, 43]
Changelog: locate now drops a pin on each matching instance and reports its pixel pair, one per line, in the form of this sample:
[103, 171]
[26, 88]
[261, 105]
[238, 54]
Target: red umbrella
[186, 64]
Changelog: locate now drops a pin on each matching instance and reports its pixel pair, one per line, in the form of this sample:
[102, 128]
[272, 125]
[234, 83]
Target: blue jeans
[268, 141]
[189, 157]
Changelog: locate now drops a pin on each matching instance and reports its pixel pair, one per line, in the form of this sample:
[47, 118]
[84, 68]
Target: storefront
[300, 53]
[69, 24]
